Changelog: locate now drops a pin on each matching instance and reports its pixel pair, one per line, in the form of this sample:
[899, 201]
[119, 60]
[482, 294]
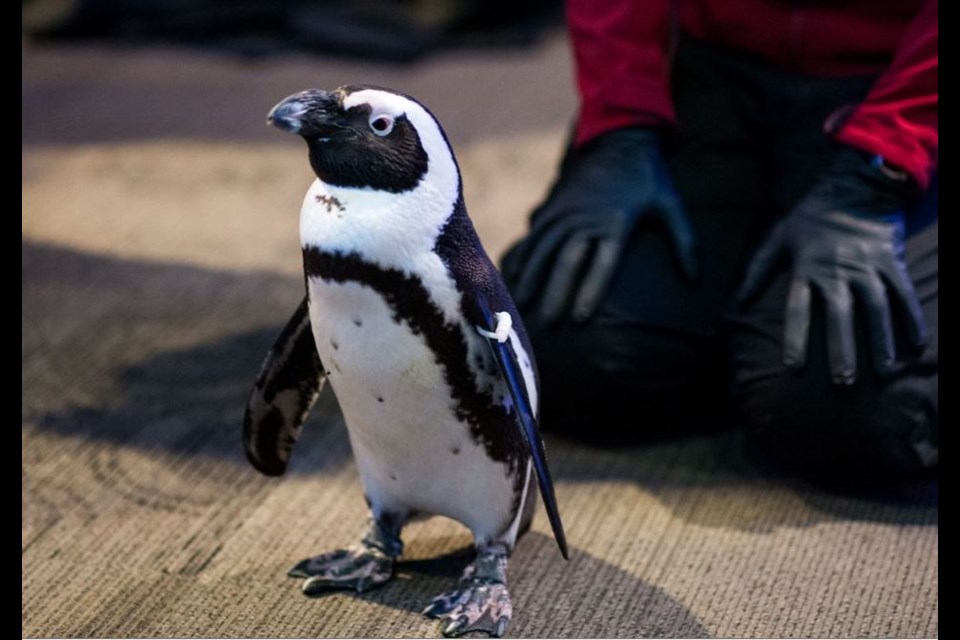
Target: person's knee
[869, 432]
[874, 430]
[616, 384]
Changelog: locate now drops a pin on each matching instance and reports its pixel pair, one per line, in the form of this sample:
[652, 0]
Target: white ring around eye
[381, 124]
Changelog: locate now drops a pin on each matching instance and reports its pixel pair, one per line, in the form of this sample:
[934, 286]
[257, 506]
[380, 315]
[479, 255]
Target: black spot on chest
[331, 203]
[491, 425]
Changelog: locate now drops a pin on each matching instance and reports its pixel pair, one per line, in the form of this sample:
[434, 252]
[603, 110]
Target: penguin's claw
[480, 603]
[477, 606]
[359, 568]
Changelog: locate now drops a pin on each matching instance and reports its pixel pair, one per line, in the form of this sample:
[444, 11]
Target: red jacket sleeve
[898, 120]
[621, 51]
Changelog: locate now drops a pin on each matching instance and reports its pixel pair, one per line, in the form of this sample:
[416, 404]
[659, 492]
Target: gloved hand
[566, 262]
[845, 239]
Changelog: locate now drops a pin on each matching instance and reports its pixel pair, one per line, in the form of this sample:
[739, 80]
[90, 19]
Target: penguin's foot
[480, 603]
[360, 568]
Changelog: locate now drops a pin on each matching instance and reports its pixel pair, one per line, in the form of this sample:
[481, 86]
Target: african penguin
[411, 323]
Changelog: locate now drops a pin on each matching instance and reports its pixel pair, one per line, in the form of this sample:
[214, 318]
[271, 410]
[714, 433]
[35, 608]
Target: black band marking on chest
[491, 425]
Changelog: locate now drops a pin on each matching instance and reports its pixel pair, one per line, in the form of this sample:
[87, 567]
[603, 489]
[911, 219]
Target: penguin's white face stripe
[442, 171]
[393, 230]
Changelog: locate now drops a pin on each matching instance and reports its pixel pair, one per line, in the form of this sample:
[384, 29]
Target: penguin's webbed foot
[359, 568]
[480, 603]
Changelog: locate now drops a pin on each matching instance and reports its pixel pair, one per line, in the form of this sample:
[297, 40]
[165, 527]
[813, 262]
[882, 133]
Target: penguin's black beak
[309, 113]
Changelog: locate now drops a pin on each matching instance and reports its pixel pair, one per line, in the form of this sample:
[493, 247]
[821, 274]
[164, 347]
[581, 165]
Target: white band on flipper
[502, 332]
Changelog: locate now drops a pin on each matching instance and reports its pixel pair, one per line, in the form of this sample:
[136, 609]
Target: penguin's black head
[363, 137]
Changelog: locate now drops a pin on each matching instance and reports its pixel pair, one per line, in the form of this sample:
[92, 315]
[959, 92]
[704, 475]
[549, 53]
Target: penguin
[410, 322]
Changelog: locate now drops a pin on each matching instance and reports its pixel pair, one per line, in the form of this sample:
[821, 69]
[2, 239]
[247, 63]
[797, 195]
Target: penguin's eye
[381, 125]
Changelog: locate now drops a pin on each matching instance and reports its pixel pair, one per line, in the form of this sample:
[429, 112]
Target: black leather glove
[566, 262]
[845, 239]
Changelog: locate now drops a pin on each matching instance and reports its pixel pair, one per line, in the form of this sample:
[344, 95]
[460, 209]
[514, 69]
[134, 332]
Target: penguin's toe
[477, 606]
[358, 568]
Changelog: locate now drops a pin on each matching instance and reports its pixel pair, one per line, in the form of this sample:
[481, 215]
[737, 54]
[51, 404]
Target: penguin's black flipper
[506, 359]
[289, 382]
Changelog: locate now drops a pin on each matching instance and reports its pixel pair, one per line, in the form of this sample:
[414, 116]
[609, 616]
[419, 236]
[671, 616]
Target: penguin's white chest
[411, 450]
